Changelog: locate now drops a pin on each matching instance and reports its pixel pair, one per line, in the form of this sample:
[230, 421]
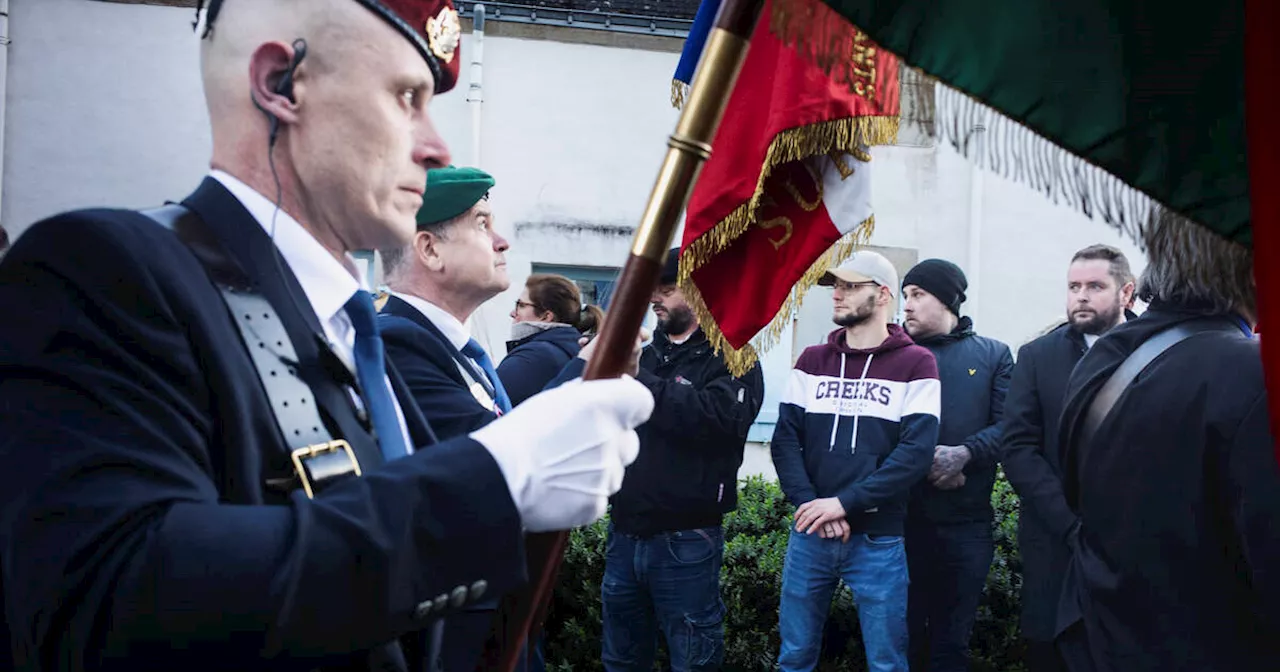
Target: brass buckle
[315, 450]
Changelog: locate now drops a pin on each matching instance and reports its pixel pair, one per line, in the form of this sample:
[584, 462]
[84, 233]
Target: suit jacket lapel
[419, 428]
[326, 375]
[400, 308]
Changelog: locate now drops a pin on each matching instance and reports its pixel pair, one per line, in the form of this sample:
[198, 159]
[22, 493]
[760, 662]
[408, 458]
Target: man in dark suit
[1099, 286]
[195, 408]
[453, 264]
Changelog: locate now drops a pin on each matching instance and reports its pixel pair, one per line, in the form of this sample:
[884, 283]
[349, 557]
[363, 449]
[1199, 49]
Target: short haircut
[1119, 263]
[394, 257]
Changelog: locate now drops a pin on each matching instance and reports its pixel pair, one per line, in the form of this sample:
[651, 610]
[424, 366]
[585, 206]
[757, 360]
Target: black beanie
[942, 279]
[670, 268]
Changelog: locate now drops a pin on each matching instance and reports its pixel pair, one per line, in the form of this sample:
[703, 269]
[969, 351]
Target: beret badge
[444, 32]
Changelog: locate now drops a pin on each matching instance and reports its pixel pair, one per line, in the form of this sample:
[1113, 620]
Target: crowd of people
[222, 453]
[888, 441]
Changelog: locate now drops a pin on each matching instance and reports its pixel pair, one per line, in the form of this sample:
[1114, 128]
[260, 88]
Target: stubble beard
[858, 316]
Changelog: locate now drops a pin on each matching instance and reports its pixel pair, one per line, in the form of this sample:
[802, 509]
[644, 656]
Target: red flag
[786, 192]
[1262, 66]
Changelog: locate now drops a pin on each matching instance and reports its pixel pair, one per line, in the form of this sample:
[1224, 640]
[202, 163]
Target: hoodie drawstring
[835, 424]
[853, 445]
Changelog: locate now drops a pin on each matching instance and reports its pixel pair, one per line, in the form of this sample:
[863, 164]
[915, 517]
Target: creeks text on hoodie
[859, 425]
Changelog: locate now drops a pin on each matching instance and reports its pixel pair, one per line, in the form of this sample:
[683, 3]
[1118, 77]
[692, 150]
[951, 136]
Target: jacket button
[422, 611]
[459, 597]
[441, 601]
[478, 588]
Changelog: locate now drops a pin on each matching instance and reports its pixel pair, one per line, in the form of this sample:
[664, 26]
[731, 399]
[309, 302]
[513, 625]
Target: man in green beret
[453, 264]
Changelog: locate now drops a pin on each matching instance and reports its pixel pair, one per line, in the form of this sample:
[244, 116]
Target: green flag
[1145, 96]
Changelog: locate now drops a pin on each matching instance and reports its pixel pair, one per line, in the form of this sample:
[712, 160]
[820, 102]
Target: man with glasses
[856, 429]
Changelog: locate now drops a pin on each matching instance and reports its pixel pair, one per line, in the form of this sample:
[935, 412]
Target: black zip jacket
[974, 371]
[691, 448]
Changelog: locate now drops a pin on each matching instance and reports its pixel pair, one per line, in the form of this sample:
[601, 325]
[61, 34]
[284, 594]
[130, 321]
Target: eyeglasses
[522, 304]
[850, 286]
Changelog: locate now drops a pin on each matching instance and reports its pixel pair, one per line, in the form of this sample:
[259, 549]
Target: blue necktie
[371, 372]
[479, 356]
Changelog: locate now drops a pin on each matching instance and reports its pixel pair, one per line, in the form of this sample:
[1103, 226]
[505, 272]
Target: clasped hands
[947, 472]
[826, 516]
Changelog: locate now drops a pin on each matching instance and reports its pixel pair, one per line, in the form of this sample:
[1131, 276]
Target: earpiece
[284, 88]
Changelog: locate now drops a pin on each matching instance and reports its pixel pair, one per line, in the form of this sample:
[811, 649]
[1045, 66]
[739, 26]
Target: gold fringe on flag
[740, 361]
[850, 135]
[795, 23]
[1009, 148]
[678, 92]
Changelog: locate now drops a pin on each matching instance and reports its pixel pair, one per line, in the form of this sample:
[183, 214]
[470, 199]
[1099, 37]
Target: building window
[596, 283]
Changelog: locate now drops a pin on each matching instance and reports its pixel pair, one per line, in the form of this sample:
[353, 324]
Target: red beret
[433, 27]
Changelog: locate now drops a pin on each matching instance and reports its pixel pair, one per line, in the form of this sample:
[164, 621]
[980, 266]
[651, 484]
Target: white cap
[864, 266]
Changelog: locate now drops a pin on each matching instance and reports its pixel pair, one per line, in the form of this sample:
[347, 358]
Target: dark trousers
[668, 583]
[1043, 657]
[465, 634]
[1073, 646]
[948, 566]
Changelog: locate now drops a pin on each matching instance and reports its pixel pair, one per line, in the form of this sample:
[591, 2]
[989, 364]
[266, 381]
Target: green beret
[451, 192]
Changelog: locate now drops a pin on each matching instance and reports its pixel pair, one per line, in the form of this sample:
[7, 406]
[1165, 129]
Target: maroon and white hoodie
[860, 425]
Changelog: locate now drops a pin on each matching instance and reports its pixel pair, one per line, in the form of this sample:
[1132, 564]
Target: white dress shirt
[327, 283]
[448, 325]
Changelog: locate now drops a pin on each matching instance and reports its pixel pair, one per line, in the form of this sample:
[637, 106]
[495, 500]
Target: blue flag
[702, 23]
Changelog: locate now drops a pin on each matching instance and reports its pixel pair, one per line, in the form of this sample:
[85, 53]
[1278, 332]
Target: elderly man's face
[471, 254]
[364, 141]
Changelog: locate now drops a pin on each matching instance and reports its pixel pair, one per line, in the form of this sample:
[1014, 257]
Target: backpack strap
[1105, 400]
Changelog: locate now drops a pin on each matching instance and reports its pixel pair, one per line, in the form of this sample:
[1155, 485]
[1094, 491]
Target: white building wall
[104, 108]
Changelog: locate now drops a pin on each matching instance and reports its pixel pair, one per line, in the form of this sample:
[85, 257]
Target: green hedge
[755, 545]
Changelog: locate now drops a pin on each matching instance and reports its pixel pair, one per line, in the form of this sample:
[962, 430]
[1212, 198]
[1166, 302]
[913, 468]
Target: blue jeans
[669, 583]
[874, 568]
[949, 566]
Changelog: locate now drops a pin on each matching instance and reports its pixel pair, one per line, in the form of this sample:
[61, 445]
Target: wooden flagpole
[688, 148]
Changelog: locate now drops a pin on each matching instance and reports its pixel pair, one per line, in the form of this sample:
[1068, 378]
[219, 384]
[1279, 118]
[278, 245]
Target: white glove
[563, 452]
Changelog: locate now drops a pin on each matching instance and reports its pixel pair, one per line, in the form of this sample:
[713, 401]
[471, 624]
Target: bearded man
[662, 564]
[1099, 287]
